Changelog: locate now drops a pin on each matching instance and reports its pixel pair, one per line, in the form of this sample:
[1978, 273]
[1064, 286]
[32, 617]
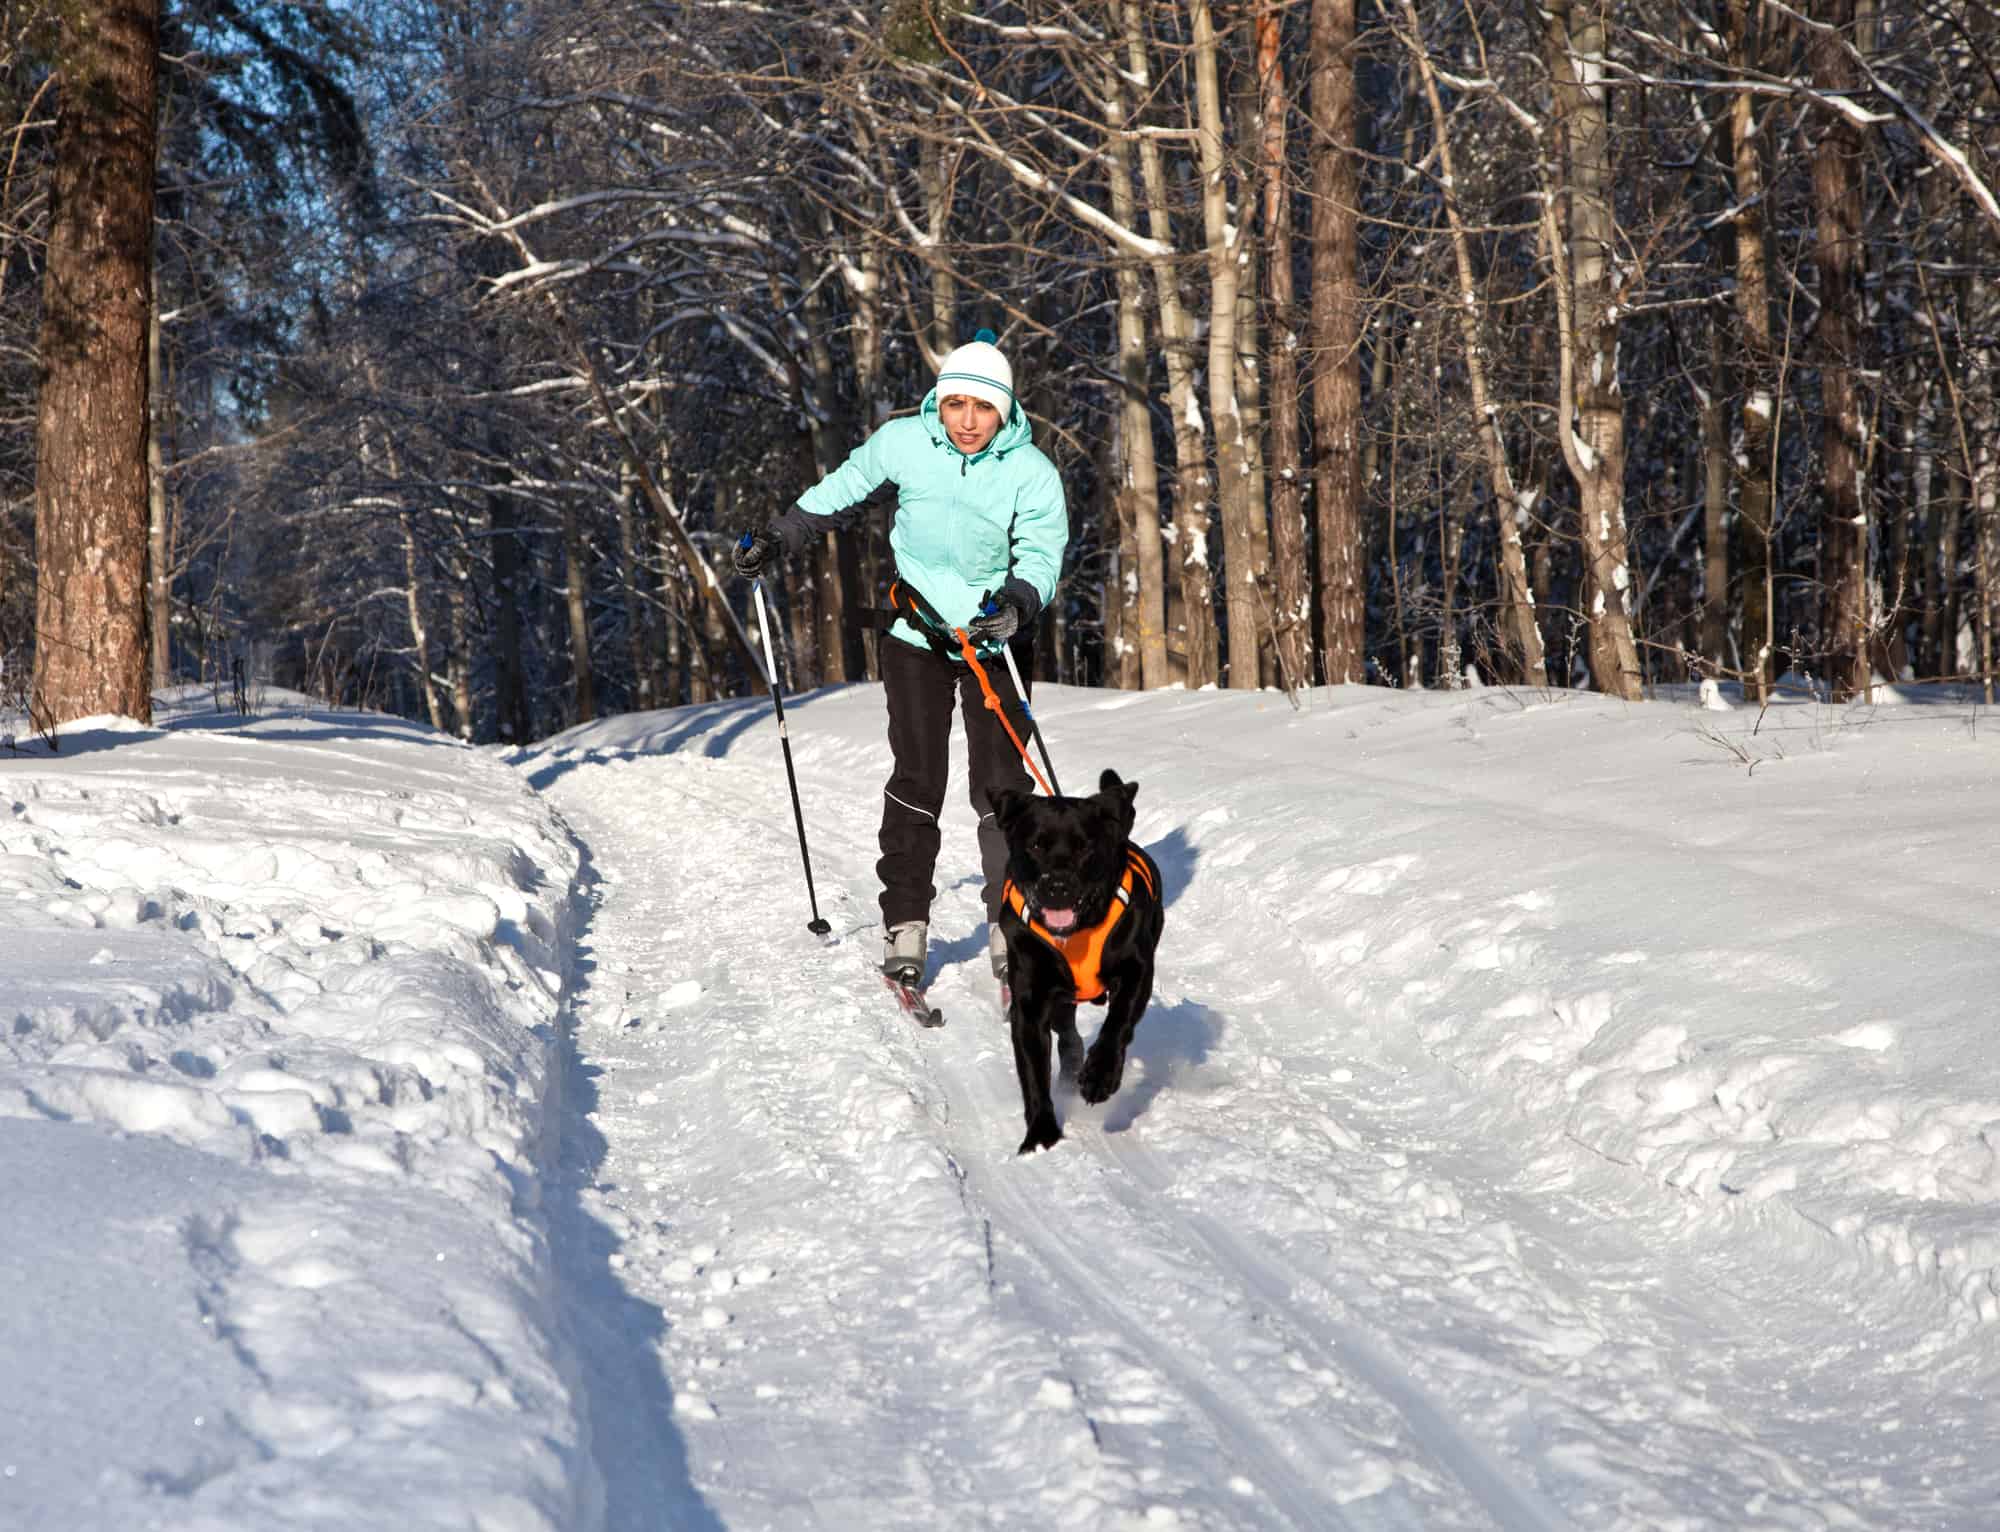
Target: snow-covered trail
[1328, 1261]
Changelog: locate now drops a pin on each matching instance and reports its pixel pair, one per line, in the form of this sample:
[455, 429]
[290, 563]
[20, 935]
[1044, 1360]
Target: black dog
[1082, 915]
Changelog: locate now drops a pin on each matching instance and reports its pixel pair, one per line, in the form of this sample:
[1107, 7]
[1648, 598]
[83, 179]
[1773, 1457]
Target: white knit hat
[978, 370]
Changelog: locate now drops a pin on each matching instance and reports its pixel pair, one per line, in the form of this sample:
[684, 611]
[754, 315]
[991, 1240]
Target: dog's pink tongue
[1058, 920]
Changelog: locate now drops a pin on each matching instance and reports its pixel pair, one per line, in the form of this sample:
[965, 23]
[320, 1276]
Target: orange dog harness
[1084, 950]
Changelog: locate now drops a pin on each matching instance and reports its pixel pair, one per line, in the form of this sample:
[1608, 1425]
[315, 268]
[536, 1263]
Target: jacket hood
[1014, 431]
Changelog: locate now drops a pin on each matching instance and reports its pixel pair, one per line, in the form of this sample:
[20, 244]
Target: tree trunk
[1232, 469]
[636, 590]
[1581, 242]
[867, 545]
[836, 566]
[420, 635]
[1123, 623]
[679, 685]
[1713, 405]
[1199, 663]
[1250, 401]
[91, 632]
[1291, 590]
[1336, 340]
[159, 522]
[938, 169]
[1986, 528]
[1519, 632]
[513, 721]
[576, 597]
[406, 526]
[460, 661]
[1754, 495]
[1979, 360]
[1837, 252]
[1142, 579]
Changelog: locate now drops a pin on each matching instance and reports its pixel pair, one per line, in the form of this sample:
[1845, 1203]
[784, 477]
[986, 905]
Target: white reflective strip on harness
[910, 806]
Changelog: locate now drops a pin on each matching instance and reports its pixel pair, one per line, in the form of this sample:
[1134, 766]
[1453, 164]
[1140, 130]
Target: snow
[1192, 414]
[1553, 1113]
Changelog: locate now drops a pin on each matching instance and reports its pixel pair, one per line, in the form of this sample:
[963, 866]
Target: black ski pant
[920, 685]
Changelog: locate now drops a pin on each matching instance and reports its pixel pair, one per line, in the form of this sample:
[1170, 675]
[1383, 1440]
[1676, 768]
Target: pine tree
[90, 479]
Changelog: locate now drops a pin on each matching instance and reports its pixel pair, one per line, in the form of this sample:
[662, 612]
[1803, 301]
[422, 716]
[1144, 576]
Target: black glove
[998, 620]
[753, 553]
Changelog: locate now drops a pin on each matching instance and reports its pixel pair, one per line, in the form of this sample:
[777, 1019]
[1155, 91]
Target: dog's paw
[1043, 1133]
[1069, 1058]
[1100, 1078]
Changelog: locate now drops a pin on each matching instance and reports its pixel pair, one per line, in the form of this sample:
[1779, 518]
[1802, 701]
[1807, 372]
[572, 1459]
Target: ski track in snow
[1310, 1268]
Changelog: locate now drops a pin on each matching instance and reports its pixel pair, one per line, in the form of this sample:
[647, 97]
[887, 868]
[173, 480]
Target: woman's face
[971, 423]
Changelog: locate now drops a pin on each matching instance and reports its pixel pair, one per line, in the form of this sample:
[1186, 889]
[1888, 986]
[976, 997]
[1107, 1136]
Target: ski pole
[1035, 729]
[816, 925]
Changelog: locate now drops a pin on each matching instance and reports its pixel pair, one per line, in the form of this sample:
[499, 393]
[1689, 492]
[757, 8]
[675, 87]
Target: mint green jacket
[964, 526]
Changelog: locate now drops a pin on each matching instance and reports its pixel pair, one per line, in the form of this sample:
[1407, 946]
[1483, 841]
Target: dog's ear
[1008, 806]
[1120, 793]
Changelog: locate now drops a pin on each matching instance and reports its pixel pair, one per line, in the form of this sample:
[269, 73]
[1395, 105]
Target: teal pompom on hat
[978, 370]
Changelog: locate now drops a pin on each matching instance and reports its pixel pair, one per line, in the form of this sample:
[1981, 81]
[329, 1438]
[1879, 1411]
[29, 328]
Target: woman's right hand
[754, 552]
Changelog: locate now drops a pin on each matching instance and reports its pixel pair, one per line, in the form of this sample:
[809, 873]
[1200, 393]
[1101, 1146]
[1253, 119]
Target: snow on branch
[1484, 87]
[1048, 36]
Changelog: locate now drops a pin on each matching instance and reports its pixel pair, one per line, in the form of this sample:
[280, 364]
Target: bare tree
[1521, 635]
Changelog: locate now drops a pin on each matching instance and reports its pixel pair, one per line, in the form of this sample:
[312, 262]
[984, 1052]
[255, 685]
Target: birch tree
[1224, 240]
[1581, 228]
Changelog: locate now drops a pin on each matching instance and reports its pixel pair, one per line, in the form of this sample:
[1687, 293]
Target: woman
[979, 514]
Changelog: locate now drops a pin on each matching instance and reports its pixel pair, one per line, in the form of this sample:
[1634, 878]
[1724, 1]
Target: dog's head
[1066, 855]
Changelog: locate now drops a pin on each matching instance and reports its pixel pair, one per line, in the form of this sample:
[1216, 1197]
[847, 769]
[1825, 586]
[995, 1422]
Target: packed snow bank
[278, 1039]
[1752, 957]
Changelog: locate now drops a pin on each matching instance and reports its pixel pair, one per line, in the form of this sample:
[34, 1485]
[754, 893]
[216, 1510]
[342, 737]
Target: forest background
[1564, 344]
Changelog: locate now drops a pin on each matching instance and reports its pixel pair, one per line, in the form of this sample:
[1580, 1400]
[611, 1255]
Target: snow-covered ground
[1552, 1114]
